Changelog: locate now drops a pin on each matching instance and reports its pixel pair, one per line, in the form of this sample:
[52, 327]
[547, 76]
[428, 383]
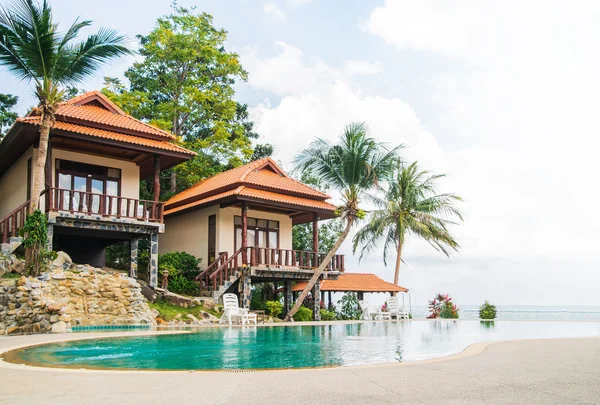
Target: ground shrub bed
[169, 311]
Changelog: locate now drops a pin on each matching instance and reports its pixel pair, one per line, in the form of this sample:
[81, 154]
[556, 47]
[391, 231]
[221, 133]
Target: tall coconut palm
[32, 47]
[353, 166]
[410, 206]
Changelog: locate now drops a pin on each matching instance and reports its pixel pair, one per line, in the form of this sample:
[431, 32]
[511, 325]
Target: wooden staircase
[13, 222]
[220, 276]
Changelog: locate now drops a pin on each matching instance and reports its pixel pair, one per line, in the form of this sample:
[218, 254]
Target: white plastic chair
[395, 309]
[232, 310]
[372, 312]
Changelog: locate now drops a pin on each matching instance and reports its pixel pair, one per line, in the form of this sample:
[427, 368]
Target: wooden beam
[244, 233]
[156, 178]
[315, 232]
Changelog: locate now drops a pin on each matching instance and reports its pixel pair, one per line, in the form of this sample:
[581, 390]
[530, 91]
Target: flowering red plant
[442, 307]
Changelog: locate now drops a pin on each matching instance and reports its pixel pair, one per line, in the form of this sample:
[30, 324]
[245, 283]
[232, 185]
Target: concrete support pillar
[287, 297]
[153, 260]
[50, 235]
[133, 259]
[246, 290]
[316, 293]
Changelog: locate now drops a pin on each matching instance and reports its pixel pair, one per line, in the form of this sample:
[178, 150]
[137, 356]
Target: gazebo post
[315, 235]
[330, 304]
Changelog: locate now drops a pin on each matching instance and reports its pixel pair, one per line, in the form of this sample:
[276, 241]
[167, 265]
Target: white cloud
[361, 67]
[274, 11]
[519, 93]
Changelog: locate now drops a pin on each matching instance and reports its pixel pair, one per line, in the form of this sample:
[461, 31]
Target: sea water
[524, 312]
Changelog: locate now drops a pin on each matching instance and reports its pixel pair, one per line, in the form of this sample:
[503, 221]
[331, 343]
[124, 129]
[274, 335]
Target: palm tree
[32, 47]
[353, 166]
[410, 206]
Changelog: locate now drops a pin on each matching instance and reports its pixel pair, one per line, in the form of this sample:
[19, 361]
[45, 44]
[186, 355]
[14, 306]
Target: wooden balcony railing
[293, 258]
[13, 222]
[59, 199]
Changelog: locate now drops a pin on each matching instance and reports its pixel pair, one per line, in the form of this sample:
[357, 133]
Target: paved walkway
[561, 371]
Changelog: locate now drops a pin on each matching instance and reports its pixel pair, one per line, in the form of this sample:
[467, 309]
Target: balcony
[108, 206]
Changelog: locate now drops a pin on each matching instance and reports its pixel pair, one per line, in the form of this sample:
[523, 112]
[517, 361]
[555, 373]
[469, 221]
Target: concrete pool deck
[552, 371]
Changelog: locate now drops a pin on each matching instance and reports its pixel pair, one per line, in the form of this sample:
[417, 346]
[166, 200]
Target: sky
[500, 96]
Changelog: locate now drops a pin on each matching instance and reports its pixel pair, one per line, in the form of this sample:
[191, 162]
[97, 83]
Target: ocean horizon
[524, 312]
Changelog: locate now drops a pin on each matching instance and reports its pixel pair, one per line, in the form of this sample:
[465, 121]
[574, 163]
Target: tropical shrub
[183, 263]
[179, 284]
[487, 311]
[327, 315]
[35, 240]
[275, 308]
[303, 315]
[349, 308]
[442, 307]
[309, 303]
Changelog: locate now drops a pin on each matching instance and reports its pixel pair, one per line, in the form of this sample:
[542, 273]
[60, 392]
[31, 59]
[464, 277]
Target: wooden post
[244, 233]
[156, 178]
[330, 305]
[316, 239]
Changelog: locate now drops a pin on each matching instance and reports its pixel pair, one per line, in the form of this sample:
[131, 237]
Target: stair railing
[13, 222]
[223, 272]
[203, 277]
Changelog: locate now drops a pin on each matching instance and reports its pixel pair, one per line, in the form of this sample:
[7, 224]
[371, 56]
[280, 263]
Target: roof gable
[97, 99]
[263, 174]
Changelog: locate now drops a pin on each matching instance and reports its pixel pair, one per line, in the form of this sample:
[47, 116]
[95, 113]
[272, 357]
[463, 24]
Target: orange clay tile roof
[115, 136]
[359, 282]
[262, 179]
[98, 109]
[258, 194]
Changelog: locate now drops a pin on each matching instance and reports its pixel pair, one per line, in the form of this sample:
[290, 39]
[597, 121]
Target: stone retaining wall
[83, 296]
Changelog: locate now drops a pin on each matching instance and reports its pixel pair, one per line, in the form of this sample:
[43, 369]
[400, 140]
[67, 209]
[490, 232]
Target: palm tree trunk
[40, 163]
[319, 271]
[398, 263]
[38, 179]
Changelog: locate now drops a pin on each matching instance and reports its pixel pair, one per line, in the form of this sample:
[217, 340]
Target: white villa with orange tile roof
[97, 156]
[240, 223]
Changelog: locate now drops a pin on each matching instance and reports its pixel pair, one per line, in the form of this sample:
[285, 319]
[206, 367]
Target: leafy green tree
[329, 231]
[185, 84]
[7, 113]
[411, 206]
[35, 50]
[353, 166]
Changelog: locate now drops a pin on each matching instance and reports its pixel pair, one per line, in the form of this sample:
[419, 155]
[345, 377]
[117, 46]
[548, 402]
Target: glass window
[252, 222]
[113, 173]
[251, 238]
[237, 221]
[262, 239]
[273, 224]
[273, 240]
[262, 223]
[238, 238]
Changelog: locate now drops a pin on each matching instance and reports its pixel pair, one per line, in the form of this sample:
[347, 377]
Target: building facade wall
[130, 172]
[13, 184]
[225, 241]
[189, 232]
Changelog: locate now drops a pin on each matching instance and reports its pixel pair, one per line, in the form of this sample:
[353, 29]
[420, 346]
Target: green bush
[327, 315]
[303, 315]
[487, 311]
[183, 263]
[449, 311]
[181, 285]
[349, 308]
[275, 308]
[35, 241]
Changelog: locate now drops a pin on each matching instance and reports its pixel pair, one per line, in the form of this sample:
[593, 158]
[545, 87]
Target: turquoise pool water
[293, 346]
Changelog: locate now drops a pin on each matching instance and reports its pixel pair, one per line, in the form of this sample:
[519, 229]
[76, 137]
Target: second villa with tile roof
[240, 223]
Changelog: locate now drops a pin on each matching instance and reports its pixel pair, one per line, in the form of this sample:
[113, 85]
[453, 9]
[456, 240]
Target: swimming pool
[292, 346]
